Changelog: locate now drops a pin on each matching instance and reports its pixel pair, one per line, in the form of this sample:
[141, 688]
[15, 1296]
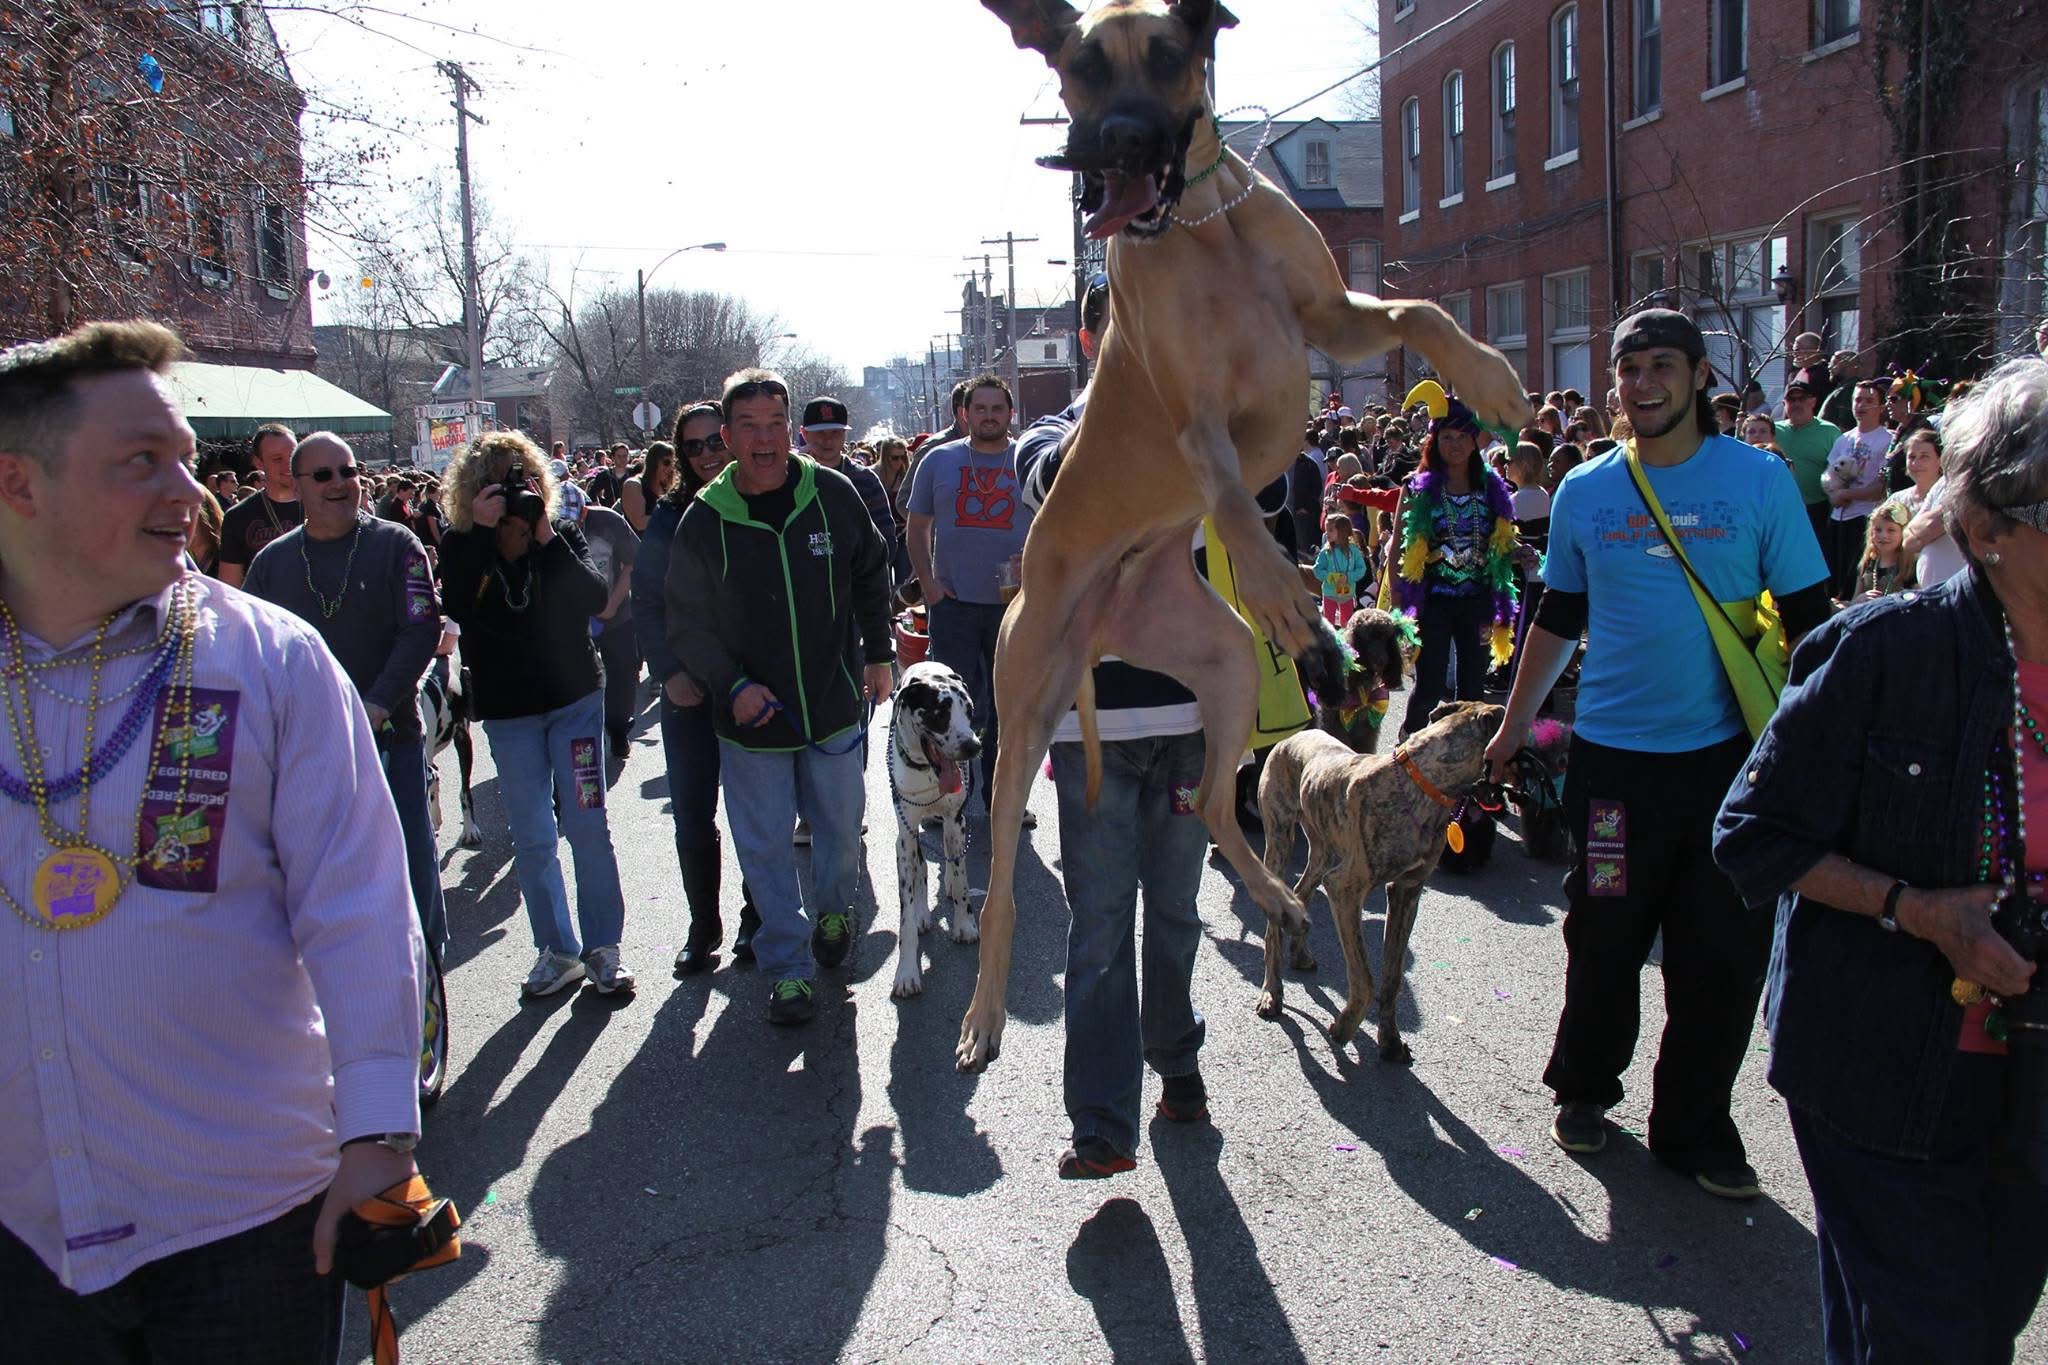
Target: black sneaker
[1730, 1182]
[1184, 1099]
[743, 942]
[832, 940]
[791, 1002]
[1580, 1127]
[1091, 1158]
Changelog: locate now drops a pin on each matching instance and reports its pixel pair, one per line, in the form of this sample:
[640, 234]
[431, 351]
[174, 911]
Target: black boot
[700, 888]
[750, 920]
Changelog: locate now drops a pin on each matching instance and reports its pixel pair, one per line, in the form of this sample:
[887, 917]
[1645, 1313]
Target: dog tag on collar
[1454, 837]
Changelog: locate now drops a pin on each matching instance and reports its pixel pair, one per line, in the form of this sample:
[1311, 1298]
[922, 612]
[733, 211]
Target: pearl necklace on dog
[1251, 183]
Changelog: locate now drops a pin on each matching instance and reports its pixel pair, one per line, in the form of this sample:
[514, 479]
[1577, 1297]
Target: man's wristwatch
[1888, 918]
[400, 1143]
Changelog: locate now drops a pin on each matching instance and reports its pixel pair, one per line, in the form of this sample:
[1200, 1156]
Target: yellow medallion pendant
[75, 887]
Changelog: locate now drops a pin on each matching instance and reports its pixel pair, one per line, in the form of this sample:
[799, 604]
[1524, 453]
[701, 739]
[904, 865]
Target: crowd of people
[753, 574]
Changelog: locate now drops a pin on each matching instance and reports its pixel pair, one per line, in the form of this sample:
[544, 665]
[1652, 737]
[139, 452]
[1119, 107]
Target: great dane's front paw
[1396, 1053]
[981, 1040]
[909, 979]
[472, 836]
[966, 927]
[1485, 382]
[1269, 1005]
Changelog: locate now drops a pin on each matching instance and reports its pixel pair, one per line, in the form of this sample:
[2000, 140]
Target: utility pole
[472, 300]
[931, 384]
[1010, 241]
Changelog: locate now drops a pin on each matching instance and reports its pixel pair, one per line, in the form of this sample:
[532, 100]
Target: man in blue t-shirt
[965, 521]
[1657, 741]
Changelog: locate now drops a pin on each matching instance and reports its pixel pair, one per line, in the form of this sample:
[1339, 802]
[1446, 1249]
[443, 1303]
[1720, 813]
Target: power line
[1380, 60]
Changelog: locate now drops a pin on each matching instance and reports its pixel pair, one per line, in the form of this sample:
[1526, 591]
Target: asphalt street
[671, 1179]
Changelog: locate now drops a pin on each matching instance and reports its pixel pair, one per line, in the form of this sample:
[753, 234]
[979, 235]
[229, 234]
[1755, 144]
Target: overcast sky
[850, 154]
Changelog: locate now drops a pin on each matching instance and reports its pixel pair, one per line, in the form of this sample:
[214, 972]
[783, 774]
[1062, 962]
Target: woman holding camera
[520, 583]
[1886, 810]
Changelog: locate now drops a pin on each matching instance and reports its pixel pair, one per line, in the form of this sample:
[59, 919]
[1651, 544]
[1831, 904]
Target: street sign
[646, 416]
[632, 392]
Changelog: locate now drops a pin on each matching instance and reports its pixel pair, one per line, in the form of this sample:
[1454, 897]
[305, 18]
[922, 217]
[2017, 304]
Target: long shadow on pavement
[719, 1206]
[1117, 1264]
[1240, 1314]
[1667, 1244]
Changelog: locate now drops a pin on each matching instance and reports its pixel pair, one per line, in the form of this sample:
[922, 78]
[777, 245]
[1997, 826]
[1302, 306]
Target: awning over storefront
[227, 401]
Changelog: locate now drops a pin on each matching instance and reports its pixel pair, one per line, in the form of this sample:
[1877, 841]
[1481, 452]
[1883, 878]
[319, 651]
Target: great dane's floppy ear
[1203, 19]
[1041, 25]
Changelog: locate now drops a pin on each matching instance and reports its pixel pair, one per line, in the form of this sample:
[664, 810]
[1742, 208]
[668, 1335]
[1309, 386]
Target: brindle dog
[1218, 285]
[1368, 821]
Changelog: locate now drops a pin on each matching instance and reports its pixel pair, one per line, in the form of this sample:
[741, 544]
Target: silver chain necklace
[328, 610]
[525, 599]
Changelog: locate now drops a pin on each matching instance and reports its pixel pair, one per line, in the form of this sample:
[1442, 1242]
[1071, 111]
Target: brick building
[150, 165]
[1769, 167]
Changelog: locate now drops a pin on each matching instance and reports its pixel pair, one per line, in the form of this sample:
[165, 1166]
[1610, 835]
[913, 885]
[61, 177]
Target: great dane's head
[1459, 732]
[935, 722]
[1133, 78]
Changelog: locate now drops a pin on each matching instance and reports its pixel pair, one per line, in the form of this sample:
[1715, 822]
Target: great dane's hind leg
[1173, 623]
[1040, 658]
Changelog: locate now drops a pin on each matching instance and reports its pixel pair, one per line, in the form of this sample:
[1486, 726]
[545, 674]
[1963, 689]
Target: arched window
[1564, 81]
[1503, 110]
[1411, 156]
[1454, 135]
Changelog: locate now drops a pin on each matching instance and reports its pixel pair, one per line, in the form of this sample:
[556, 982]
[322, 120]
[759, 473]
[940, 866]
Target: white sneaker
[606, 972]
[551, 973]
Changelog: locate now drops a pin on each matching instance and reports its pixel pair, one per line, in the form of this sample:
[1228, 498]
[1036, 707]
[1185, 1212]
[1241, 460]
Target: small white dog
[932, 746]
[1843, 473]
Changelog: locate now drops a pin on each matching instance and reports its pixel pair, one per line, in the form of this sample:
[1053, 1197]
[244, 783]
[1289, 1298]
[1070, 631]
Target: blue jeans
[690, 748]
[764, 795]
[560, 753]
[1143, 832]
[405, 770]
[1942, 1259]
[247, 1299]
[964, 640]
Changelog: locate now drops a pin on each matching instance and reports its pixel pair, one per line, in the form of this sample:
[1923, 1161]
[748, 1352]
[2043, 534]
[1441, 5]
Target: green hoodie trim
[724, 497]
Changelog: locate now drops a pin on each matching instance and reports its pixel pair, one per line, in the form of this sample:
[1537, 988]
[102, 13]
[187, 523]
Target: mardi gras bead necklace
[80, 881]
[328, 610]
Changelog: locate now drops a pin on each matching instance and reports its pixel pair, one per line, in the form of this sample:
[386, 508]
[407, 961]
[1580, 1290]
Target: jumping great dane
[1218, 284]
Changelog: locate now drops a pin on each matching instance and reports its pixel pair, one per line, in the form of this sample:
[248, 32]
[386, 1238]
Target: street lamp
[641, 277]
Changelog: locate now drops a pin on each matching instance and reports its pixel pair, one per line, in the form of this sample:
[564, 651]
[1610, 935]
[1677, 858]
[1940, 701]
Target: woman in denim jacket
[1884, 809]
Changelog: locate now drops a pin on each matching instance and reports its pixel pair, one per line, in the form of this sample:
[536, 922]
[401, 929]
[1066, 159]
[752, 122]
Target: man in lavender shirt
[209, 959]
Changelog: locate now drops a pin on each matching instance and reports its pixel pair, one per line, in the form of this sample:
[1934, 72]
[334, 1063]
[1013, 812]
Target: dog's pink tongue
[1125, 199]
[949, 774]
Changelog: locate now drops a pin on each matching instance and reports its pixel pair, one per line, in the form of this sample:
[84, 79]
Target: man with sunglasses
[363, 583]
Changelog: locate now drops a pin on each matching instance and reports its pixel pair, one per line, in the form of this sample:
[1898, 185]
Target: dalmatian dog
[932, 746]
[445, 716]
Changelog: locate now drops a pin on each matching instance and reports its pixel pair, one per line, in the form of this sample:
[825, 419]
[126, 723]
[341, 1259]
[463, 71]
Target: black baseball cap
[1801, 386]
[1654, 327]
[825, 414]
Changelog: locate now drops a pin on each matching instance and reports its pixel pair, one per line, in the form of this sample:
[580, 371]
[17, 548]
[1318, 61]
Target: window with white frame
[221, 18]
[1315, 162]
[1411, 156]
[2023, 293]
[1728, 54]
[1564, 81]
[1646, 279]
[1834, 20]
[1459, 306]
[1738, 309]
[1364, 260]
[1454, 134]
[1403, 8]
[1568, 320]
[1835, 279]
[1649, 73]
[1503, 110]
[1507, 325]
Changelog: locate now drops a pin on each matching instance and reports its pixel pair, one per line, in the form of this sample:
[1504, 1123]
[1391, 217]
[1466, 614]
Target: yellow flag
[1282, 707]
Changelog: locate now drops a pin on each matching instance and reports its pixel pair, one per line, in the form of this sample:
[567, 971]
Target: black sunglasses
[691, 449]
[329, 475]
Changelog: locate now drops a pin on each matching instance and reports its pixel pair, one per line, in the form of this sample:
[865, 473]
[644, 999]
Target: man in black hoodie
[778, 592]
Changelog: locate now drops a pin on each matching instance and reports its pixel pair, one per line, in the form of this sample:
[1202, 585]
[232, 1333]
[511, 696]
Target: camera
[521, 500]
[2023, 922]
